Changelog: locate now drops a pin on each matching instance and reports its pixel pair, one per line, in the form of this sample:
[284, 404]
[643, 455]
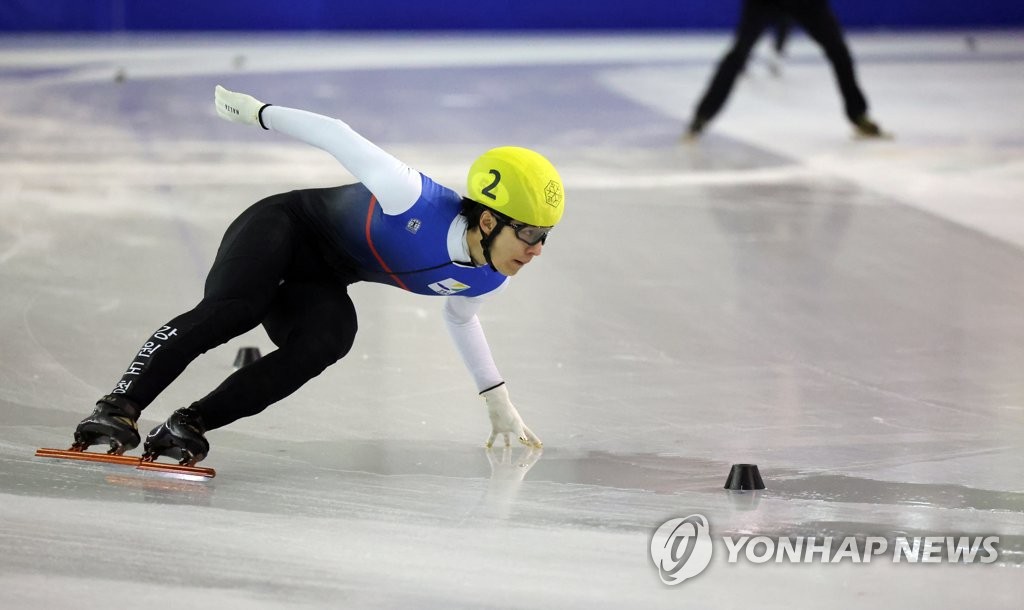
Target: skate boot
[865, 128]
[113, 422]
[695, 129]
[180, 437]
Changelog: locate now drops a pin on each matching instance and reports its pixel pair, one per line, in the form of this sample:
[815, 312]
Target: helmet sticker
[553, 194]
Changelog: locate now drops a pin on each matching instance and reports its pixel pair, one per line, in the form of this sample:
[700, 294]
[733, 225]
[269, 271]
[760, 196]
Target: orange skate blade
[186, 472]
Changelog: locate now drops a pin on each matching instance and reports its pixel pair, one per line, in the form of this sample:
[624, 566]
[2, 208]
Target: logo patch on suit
[413, 225]
[448, 287]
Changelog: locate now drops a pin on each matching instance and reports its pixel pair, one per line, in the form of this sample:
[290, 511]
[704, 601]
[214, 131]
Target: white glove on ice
[238, 107]
[505, 419]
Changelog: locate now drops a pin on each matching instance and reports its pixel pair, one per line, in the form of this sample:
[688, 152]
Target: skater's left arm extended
[460, 316]
[395, 185]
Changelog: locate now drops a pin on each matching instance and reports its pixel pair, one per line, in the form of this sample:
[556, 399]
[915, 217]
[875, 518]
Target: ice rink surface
[845, 314]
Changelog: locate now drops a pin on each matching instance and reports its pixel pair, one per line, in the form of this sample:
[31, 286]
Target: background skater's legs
[820, 23]
[756, 16]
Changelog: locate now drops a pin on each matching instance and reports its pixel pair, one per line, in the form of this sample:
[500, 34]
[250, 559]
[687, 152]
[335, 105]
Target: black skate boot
[865, 128]
[180, 437]
[696, 128]
[113, 422]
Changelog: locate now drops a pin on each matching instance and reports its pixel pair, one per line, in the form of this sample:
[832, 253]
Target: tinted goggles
[529, 234]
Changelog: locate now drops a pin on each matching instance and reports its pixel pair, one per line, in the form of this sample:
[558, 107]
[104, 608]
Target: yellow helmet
[518, 183]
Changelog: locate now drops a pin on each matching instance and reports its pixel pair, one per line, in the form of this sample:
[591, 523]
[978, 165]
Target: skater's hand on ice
[238, 107]
[505, 419]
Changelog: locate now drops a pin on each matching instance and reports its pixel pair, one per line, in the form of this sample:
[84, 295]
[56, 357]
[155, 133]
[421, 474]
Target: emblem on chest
[448, 287]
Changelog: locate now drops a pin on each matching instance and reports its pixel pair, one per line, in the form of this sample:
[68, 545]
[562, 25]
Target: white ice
[845, 314]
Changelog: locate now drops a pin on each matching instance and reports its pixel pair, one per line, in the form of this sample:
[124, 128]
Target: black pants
[780, 34]
[266, 272]
[820, 23]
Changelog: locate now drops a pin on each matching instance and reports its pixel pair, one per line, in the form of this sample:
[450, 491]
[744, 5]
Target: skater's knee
[331, 348]
[319, 352]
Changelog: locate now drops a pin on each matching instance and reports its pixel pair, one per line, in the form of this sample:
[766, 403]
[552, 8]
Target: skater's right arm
[460, 315]
[395, 185]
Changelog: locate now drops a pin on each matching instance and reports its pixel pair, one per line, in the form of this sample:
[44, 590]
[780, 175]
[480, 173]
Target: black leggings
[265, 272]
[820, 23]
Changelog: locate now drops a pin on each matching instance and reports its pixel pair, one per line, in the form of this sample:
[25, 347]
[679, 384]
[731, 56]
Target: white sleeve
[468, 335]
[396, 185]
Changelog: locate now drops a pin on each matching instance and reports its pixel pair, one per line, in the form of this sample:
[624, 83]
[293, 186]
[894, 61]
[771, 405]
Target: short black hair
[472, 211]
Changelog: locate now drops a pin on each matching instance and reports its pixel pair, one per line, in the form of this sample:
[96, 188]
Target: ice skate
[180, 437]
[866, 129]
[112, 422]
[694, 130]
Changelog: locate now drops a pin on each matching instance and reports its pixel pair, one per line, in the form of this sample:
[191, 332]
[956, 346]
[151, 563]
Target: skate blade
[885, 136]
[187, 472]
